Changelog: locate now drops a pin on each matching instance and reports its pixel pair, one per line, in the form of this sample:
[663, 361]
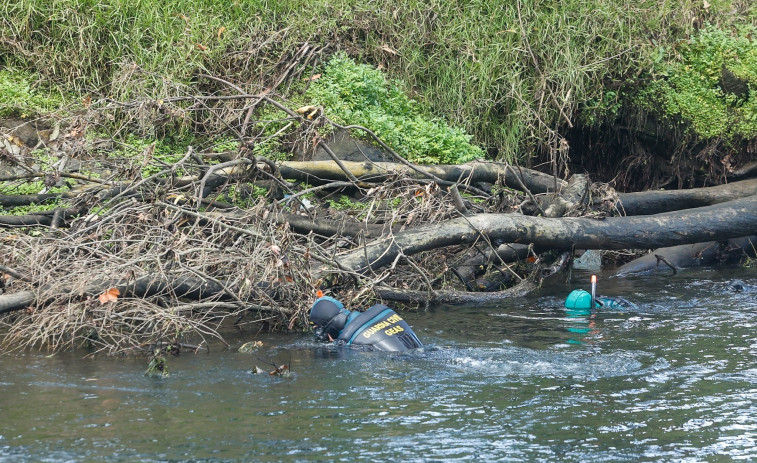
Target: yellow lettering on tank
[394, 330]
[377, 327]
[394, 319]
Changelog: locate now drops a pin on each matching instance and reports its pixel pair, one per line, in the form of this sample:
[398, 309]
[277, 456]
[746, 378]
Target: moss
[709, 85]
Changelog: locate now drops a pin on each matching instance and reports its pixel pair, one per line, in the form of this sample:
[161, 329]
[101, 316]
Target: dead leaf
[313, 77]
[220, 32]
[280, 371]
[109, 295]
[275, 249]
[87, 102]
[310, 112]
[389, 50]
[15, 140]
[201, 46]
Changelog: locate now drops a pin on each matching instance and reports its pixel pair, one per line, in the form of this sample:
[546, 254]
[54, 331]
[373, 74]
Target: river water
[515, 381]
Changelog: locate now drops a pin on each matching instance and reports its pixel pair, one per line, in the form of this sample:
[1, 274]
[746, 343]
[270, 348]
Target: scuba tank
[379, 327]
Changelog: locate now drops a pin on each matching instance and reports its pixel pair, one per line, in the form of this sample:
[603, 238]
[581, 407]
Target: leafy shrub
[359, 94]
[691, 88]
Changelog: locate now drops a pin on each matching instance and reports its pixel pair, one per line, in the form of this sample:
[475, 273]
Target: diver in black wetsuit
[379, 327]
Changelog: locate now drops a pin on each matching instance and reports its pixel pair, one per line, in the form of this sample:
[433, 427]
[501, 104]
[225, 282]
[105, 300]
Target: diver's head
[328, 317]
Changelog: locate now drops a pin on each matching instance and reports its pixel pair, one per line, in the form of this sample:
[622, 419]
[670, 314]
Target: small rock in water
[251, 346]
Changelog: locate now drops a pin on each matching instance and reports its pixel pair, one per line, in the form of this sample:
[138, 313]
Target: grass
[509, 73]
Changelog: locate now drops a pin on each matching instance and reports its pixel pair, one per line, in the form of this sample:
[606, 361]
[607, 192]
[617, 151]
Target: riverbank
[520, 78]
[149, 195]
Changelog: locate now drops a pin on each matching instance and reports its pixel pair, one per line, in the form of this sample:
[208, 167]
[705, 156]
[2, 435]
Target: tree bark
[454, 297]
[655, 202]
[183, 287]
[474, 172]
[690, 255]
[723, 221]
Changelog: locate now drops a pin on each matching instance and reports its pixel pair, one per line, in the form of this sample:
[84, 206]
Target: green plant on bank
[30, 208]
[504, 71]
[345, 203]
[26, 188]
[29, 188]
[225, 144]
[271, 127]
[22, 96]
[710, 84]
[360, 94]
[247, 195]
[138, 151]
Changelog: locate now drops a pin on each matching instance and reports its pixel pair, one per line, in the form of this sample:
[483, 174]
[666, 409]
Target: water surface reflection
[522, 380]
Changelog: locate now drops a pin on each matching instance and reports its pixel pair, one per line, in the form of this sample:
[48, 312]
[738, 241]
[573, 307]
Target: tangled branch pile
[137, 251]
[148, 249]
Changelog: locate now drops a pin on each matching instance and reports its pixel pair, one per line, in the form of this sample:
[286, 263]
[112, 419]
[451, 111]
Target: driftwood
[455, 297]
[723, 221]
[655, 202]
[690, 255]
[474, 172]
[181, 286]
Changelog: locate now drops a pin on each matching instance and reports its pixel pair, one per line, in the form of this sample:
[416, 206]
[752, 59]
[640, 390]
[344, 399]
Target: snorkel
[593, 291]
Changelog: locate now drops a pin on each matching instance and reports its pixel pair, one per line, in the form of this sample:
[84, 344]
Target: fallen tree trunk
[454, 297]
[723, 221]
[179, 286]
[690, 255]
[655, 202]
[474, 172]
[46, 218]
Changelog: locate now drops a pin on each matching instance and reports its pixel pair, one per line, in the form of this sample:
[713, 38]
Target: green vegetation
[710, 84]
[20, 97]
[246, 195]
[509, 73]
[359, 94]
[139, 151]
[344, 203]
[28, 188]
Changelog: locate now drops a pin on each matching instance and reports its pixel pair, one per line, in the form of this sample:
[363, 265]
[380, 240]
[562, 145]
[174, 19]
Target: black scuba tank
[381, 328]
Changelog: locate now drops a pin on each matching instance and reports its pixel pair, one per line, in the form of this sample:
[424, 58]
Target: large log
[655, 202]
[690, 255]
[723, 221]
[180, 286]
[474, 172]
